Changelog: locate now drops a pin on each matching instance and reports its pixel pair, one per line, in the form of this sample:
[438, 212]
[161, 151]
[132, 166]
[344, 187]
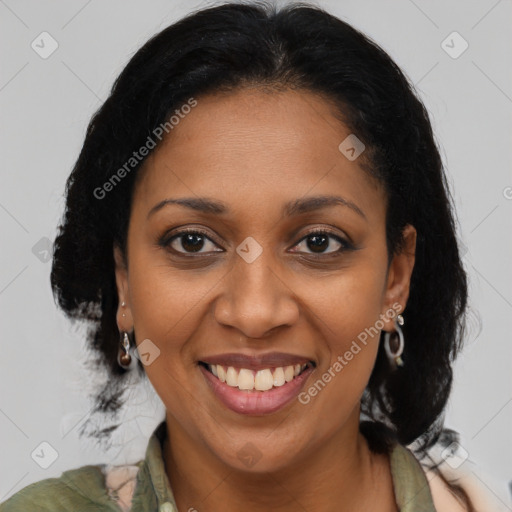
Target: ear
[124, 314]
[399, 279]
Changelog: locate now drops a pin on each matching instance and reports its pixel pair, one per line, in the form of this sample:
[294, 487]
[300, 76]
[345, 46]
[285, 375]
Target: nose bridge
[255, 279]
[255, 299]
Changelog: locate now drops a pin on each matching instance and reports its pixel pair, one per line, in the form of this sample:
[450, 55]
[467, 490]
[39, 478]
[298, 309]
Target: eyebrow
[296, 207]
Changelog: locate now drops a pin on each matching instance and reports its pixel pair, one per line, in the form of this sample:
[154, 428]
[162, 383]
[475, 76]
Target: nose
[255, 299]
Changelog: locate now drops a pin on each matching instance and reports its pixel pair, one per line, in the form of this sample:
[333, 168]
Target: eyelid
[328, 231]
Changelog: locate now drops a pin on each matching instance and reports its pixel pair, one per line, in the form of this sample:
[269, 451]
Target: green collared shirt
[84, 489]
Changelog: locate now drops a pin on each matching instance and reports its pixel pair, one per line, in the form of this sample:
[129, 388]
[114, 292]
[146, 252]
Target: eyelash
[345, 245]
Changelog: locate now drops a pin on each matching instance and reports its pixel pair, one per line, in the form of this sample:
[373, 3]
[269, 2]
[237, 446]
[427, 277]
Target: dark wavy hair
[228, 47]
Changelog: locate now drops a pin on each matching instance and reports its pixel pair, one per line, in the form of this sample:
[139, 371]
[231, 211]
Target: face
[264, 280]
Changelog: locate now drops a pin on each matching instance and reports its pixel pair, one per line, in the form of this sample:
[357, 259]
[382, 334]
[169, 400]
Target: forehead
[254, 146]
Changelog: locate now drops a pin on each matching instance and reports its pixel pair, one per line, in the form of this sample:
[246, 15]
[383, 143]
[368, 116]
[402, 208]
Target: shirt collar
[152, 478]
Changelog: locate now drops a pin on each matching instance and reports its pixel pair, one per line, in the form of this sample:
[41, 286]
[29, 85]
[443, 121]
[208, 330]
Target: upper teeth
[261, 380]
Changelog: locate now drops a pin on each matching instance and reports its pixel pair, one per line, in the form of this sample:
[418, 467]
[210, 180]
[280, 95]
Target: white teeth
[221, 373]
[261, 380]
[246, 379]
[232, 377]
[288, 373]
[279, 377]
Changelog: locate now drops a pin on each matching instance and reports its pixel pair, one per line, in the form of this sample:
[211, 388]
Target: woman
[260, 209]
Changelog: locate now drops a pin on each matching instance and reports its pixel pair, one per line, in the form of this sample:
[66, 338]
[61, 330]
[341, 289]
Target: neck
[342, 475]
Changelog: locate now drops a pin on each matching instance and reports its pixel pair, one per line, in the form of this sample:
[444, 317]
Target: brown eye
[191, 241]
[319, 242]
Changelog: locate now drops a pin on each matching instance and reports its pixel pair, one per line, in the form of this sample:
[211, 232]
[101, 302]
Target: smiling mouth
[245, 379]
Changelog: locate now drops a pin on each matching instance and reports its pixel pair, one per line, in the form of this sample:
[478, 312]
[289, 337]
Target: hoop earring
[124, 359]
[394, 353]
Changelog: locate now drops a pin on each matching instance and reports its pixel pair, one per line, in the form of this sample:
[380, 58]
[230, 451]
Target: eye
[194, 240]
[320, 240]
[189, 241]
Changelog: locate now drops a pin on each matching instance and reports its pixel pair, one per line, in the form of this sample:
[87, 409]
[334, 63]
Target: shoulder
[447, 480]
[80, 489]
[457, 484]
[465, 491]
[447, 497]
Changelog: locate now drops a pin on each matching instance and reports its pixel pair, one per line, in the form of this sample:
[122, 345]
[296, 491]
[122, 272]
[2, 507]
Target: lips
[257, 362]
[254, 384]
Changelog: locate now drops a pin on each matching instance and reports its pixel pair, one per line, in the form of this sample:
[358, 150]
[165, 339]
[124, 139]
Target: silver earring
[394, 347]
[124, 359]
[123, 304]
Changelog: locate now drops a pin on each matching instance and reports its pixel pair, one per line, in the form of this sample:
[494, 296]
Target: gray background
[45, 107]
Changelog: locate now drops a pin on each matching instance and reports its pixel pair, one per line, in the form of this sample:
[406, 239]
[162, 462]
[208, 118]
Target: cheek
[356, 308]
[350, 312]
[166, 309]
[348, 303]
[165, 300]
